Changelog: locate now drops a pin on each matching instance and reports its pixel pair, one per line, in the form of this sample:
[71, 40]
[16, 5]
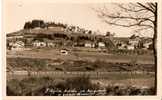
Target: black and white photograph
[81, 49]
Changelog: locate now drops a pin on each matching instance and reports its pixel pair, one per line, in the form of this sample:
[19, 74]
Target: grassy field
[43, 64]
[84, 55]
[127, 70]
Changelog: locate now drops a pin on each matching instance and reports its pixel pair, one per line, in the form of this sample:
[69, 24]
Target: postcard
[81, 49]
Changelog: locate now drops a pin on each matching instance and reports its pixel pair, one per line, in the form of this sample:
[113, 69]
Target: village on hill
[40, 34]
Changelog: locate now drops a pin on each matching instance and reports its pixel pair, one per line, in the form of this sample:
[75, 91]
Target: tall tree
[141, 16]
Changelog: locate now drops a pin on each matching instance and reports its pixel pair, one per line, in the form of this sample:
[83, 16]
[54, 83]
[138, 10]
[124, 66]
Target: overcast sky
[17, 12]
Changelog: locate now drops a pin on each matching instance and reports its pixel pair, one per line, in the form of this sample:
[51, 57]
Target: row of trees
[42, 24]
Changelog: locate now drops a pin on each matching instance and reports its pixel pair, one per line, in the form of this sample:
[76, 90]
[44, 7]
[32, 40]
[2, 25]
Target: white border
[1, 50]
[159, 49]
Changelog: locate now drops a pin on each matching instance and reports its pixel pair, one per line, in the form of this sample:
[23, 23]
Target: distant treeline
[40, 23]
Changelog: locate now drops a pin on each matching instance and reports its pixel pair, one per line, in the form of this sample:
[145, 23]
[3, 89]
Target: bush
[27, 85]
[118, 90]
[89, 68]
[99, 63]
[58, 69]
[79, 83]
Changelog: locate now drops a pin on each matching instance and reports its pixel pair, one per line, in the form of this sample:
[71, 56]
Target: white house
[89, 45]
[18, 46]
[49, 43]
[101, 44]
[37, 28]
[39, 44]
[130, 47]
[135, 41]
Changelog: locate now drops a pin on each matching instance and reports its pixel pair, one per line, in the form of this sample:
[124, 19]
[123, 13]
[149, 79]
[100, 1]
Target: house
[18, 45]
[38, 43]
[49, 43]
[134, 41]
[101, 45]
[89, 44]
[120, 40]
[36, 28]
[130, 47]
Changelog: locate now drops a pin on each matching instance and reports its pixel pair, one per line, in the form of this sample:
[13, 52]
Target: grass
[27, 85]
[118, 69]
[110, 76]
[39, 64]
[38, 87]
[26, 63]
[146, 59]
[90, 56]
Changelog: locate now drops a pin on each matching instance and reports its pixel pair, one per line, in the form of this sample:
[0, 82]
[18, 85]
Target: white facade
[130, 47]
[50, 44]
[18, 46]
[101, 44]
[90, 45]
[39, 44]
[37, 28]
[135, 41]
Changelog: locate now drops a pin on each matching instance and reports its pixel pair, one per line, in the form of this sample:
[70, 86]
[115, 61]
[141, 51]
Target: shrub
[11, 92]
[79, 83]
[118, 90]
[89, 68]
[58, 69]
[99, 63]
